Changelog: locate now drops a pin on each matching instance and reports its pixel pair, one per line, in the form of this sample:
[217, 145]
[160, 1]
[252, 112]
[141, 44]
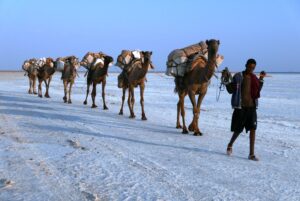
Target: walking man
[245, 89]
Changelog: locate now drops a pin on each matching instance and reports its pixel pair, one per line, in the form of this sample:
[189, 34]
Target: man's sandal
[229, 150]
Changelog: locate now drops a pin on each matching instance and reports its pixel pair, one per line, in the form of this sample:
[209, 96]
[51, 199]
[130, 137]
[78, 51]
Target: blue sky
[268, 30]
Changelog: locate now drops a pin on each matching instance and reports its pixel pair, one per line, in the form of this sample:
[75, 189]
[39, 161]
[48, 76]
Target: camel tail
[179, 84]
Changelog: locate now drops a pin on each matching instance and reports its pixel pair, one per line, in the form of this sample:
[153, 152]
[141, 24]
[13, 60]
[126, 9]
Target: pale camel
[31, 71]
[68, 76]
[45, 74]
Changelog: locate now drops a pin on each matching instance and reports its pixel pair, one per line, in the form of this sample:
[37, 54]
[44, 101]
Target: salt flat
[50, 150]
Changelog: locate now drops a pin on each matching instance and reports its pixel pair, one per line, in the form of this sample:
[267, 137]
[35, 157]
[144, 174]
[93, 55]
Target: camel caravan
[192, 68]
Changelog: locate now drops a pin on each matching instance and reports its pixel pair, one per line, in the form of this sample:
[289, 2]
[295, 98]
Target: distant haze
[268, 30]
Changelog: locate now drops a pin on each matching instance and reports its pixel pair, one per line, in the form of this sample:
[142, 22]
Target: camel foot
[34, 93]
[197, 133]
[69, 101]
[121, 112]
[29, 92]
[41, 96]
[191, 128]
[185, 131]
[178, 126]
[105, 107]
[94, 106]
[132, 116]
[144, 118]
[85, 102]
[47, 96]
[253, 158]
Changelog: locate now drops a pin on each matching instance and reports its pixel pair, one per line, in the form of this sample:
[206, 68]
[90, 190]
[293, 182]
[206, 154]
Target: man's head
[250, 65]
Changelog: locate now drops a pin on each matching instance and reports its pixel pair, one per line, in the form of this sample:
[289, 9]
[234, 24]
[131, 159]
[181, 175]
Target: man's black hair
[250, 61]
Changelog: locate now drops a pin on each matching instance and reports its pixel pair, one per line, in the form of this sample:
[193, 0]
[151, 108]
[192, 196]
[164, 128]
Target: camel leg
[34, 85]
[65, 91]
[46, 93]
[181, 99]
[70, 91]
[40, 89]
[47, 87]
[123, 99]
[142, 88]
[130, 102]
[196, 110]
[30, 86]
[87, 93]
[103, 94]
[192, 97]
[178, 113]
[94, 95]
[199, 102]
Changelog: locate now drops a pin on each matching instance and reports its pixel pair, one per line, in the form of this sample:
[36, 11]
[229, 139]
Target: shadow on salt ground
[25, 106]
[144, 142]
[36, 114]
[20, 98]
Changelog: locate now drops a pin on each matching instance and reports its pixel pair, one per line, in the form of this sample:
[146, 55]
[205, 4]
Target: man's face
[250, 68]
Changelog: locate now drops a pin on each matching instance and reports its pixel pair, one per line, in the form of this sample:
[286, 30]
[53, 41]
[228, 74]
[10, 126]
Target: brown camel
[96, 75]
[136, 76]
[31, 70]
[88, 62]
[68, 76]
[195, 83]
[45, 74]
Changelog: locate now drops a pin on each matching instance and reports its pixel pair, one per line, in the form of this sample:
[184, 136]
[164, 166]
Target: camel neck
[105, 67]
[210, 65]
[146, 64]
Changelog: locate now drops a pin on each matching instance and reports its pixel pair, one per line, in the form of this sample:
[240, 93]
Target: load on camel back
[178, 59]
[125, 61]
[91, 59]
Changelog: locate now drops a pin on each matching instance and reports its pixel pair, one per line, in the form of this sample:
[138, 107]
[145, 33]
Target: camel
[195, 82]
[68, 76]
[31, 70]
[88, 62]
[136, 76]
[96, 75]
[45, 74]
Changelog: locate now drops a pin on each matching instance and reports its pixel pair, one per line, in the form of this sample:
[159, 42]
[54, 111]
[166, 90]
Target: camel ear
[218, 42]
[150, 52]
[206, 42]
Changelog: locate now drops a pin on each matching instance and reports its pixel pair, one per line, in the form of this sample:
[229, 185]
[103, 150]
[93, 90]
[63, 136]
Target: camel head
[50, 62]
[26, 65]
[147, 58]
[212, 46]
[108, 60]
[73, 61]
[147, 55]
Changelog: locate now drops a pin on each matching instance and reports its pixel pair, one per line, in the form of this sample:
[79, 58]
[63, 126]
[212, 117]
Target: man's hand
[262, 74]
